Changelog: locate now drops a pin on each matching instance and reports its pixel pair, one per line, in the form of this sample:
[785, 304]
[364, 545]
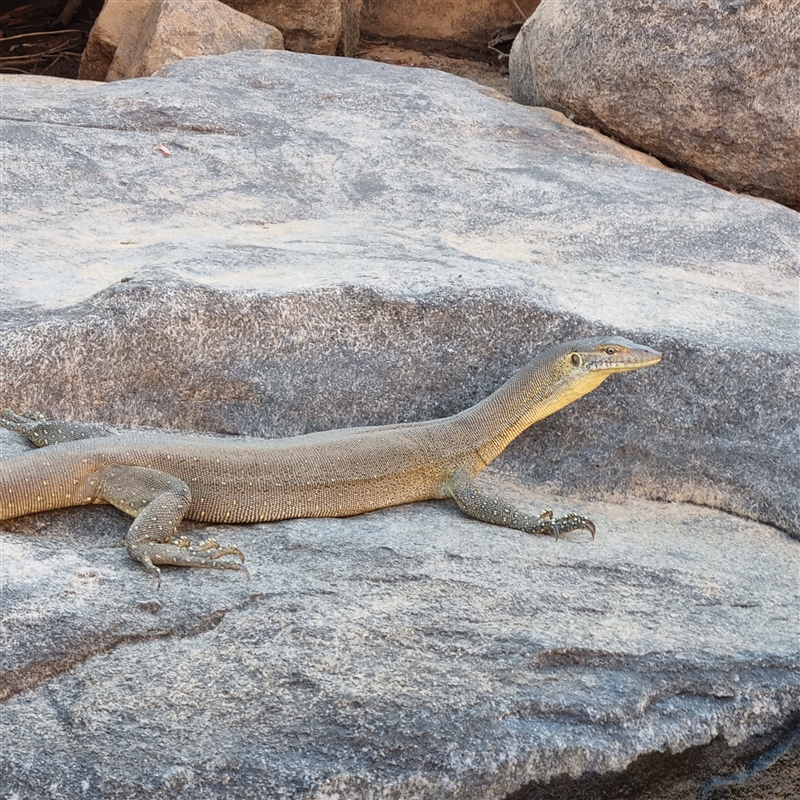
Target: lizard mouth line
[624, 366]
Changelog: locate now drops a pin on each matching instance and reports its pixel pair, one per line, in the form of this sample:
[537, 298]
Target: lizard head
[558, 377]
[578, 367]
[608, 355]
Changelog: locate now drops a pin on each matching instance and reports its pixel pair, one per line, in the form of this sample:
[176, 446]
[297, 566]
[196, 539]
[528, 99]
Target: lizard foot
[43, 432]
[573, 522]
[22, 423]
[546, 524]
[180, 553]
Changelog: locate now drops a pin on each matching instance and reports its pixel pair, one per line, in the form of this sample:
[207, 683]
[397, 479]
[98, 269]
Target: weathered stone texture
[707, 86]
[351, 28]
[409, 653]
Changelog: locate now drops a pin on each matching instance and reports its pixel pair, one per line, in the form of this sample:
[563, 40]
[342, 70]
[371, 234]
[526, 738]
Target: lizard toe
[573, 522]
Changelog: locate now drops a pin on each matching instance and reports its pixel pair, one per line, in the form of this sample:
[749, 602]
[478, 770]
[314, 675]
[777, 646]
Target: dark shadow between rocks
[766, 766]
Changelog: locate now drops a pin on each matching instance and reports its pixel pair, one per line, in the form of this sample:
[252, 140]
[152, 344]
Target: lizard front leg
[473, 503]
[158, 501]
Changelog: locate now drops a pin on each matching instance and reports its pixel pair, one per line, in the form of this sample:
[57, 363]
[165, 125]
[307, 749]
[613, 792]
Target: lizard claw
[573, 522]
[178, 553]
[152, 569]
[546, 524]
[211, 548]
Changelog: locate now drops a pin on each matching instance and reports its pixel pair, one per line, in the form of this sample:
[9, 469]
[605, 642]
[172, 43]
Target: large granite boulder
[176, 29]
[336, 242]
[135, 38]
[710, 87]
[464, 23]
[323, 27]
[118, 23]
[121, 45]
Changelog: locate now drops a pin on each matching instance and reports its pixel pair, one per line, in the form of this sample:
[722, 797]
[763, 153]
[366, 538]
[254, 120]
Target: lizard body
[162, 478]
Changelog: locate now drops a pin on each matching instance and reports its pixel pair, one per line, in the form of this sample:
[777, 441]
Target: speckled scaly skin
[162, 478]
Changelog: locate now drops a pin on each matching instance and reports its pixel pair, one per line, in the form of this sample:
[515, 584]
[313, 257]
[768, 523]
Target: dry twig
[39, 33]
[24, 59]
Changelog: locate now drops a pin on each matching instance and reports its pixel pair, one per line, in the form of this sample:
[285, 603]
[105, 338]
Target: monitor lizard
[160, 478]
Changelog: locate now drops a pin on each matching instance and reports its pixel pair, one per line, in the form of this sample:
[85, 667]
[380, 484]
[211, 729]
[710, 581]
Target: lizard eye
[576, 360]
[610, 351]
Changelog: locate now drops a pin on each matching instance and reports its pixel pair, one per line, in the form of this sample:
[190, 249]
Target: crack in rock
[14, 681]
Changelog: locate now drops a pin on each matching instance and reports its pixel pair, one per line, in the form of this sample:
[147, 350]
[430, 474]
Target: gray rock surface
[711, 87]
[336, 243]
[406, 653]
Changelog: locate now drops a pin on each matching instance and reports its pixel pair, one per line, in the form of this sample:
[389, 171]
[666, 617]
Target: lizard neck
[536, 391]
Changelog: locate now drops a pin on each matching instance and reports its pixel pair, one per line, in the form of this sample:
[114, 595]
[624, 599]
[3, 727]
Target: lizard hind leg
[43, 432]
[159, 501]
